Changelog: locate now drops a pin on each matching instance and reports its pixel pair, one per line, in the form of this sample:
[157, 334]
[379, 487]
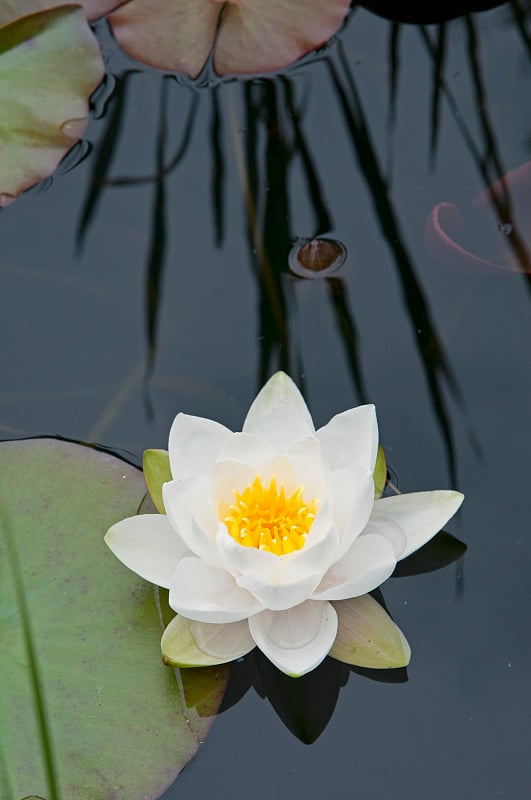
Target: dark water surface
[358, 147]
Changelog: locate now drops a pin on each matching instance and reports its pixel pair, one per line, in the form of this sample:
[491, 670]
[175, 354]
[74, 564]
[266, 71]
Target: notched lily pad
[119, 722]
[260, 37]
[50, 63]
[246, 36]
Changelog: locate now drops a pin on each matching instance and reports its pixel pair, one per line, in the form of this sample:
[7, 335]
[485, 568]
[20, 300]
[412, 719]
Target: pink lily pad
[176, 35]
[246, 36]
[506, 239]
[257, 36]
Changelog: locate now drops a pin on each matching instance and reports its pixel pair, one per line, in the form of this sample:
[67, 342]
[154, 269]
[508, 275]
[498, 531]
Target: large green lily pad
[50, 64]
[120, 724]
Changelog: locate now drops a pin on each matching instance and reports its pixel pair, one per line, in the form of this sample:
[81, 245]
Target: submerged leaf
[119, 723]
[156, 472]
[201, 688]
[50, 63]
[367, 636]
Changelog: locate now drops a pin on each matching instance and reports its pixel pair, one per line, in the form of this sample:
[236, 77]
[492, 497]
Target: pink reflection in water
[494, 232]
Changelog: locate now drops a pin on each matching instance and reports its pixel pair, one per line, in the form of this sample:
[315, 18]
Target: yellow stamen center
[267, 518]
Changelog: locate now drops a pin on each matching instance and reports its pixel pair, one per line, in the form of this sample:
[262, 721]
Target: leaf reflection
[157, 252]
[348, 333]
[269, 191]
[430, 349]
[218, 168]
[520, 17]
[104, 154]
[323, 220]
[269, 127]
[487, 155]
[439, 57]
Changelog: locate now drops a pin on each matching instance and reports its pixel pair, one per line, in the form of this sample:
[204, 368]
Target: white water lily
[268, 530]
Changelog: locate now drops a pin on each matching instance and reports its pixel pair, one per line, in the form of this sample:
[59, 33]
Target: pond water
[131, 293]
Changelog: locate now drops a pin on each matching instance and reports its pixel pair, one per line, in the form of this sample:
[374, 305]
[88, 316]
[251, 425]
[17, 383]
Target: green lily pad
[247, 37]
[50, 63]
[14, 9]
[119, 723]
[367, 636]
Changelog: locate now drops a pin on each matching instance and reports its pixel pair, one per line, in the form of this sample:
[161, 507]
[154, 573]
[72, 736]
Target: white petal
[297, 640]
[368, 563]
[149, 546]
[323, 527]
[251, 450]
[309, 468]
[420, 514]
[319, 551]
[238, 559]
[353, 499]
[186, 503]
[389, 530]
[194, 444]
[281, 468]
[282, 596]
[350, 439]
[279, 414]
[188, 643]
[204, 593]
[228, 477]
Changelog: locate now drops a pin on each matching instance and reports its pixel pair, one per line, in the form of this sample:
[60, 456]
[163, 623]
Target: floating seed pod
[316, 258]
